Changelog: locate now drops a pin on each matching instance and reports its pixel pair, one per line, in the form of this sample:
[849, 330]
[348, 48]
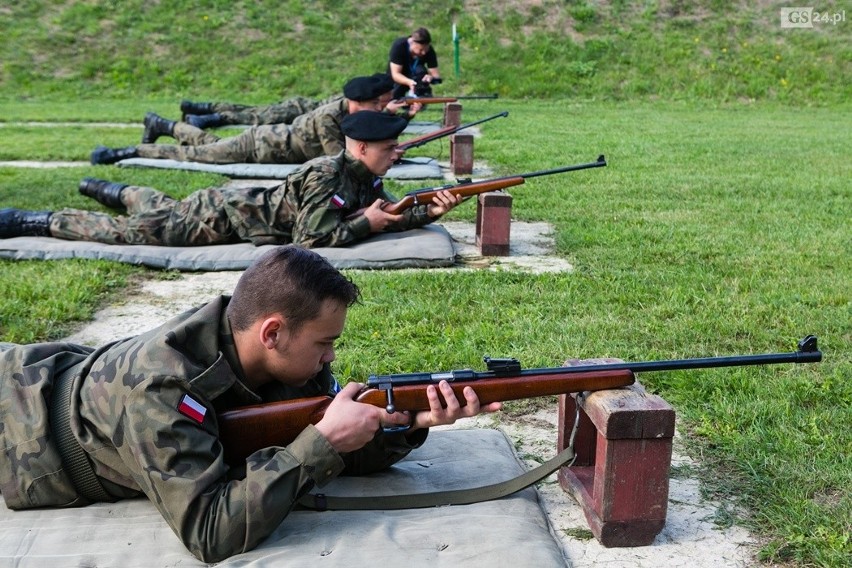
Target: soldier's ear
[273, 330]
[362, 148]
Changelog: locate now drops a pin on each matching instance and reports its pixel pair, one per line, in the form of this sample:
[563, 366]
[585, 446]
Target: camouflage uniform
[284, 112]
[310, 209]
[125, 415]
[311, 135]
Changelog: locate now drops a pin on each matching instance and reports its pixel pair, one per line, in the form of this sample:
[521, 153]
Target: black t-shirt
[412, 67]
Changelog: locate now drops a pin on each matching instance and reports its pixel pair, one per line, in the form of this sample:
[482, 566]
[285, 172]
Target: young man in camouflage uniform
[213, 114]
[311, 135]
[140, 413]
[330, 201]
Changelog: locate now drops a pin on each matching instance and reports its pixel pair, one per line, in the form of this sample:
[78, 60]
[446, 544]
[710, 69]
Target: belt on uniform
[77, 463]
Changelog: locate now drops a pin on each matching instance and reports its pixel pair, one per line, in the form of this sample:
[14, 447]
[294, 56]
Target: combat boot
[205, 121]
[189, 107]
[104, 155]
[106, 193]
[20, 223]
[156, 126]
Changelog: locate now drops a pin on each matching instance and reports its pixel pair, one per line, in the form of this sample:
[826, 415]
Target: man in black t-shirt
[413, 64]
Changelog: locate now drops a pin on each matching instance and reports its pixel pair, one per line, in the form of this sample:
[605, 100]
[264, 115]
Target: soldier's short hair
[291, 281]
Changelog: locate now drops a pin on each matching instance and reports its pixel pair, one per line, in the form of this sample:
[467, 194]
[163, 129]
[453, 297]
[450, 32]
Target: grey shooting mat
[407, 168]
[427, 247]
[511, 532]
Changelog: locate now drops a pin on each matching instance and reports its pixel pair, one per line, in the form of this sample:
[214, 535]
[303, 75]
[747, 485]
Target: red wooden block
[452, 114]
[493, 223]
[461, 154]
[621, 474]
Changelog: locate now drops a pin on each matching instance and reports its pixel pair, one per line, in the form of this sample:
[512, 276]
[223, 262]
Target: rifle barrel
[601, 162]
[417, 142]
[807, 353]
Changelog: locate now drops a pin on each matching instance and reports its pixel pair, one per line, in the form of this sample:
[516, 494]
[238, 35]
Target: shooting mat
[513, 531]
[428, 247]
[408, 168]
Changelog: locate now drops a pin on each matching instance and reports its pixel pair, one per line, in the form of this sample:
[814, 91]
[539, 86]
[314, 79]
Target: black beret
[366, 88]
[385, 84]
[370, 126]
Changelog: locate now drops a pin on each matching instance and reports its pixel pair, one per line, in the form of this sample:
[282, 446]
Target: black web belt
[77, 463]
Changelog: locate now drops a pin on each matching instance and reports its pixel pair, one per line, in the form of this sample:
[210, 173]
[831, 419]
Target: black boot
[20, 223]
[205, 121]
[189, 107]
[104, 155]
[106, 193]
[156, 126]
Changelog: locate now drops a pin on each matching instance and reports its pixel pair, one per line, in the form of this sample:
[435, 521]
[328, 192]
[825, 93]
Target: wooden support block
[493, 223]
[461, 154]
[624, 452]
[452, 114]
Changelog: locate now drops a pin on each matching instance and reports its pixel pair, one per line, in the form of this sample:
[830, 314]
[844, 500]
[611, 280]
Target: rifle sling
[322, 502]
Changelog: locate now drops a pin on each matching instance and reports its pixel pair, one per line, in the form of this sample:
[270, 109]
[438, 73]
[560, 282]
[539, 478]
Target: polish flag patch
[337, 201]
[190, 407]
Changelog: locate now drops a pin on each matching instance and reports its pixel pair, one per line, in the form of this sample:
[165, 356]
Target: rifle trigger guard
[395, 429]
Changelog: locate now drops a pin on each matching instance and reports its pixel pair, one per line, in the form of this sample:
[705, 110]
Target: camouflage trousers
[279, 113]
[269, 144]
[153, 218]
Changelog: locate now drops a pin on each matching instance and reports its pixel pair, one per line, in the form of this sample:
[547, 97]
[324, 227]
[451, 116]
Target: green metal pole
[456, 50]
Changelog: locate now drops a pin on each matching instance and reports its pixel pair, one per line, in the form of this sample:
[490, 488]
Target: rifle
[425, 195]
[426, 100]
[433, 100]
[474, 97]
[446, 131]
[243, 431]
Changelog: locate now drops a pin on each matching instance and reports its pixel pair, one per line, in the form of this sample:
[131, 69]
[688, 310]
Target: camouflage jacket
[126, 415]
[318, 133]
[313, 207]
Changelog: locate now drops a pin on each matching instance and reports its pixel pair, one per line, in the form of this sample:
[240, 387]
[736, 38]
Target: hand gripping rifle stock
[424, 196]
[445, 131]
[243, 431]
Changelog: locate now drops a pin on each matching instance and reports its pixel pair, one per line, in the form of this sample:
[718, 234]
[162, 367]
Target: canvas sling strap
[322, 502]
[74, 457]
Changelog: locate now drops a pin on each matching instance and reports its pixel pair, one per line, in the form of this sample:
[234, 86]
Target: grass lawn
[714, 230]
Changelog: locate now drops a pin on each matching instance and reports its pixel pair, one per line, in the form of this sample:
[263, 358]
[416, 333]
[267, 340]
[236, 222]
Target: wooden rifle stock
[245, 430]
[427, 100]
[424, 196]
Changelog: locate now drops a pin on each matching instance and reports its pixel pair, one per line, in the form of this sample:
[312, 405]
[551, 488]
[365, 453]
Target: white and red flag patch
[190, 407]
[337, 201]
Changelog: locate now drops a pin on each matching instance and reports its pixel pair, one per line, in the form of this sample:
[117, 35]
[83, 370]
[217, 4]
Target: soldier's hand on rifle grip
[439, 414]
[349, 425]
[442, 203]
[413, 109]
[378, 218]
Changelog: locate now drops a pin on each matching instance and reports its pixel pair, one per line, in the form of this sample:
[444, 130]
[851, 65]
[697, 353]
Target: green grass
[262, 50]
[712, 231]
[720, 226]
